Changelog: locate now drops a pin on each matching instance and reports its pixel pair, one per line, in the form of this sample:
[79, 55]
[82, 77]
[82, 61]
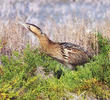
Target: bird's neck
[51, 48]
[46, 44]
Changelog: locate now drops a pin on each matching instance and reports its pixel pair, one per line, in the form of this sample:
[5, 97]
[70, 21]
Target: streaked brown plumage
[67, 53]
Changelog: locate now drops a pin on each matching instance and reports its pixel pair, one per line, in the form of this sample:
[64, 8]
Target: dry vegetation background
[15, 37]
[68, 28]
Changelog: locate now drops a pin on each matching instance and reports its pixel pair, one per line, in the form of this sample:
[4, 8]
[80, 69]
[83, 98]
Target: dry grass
[15, 37]
[104, 28]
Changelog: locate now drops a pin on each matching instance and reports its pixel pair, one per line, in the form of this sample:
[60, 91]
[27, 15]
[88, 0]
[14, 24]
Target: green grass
[19, 82]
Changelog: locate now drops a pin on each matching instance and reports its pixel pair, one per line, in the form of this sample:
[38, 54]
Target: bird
[66, 53]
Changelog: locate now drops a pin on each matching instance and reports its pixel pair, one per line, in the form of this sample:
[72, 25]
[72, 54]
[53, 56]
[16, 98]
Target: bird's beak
[23, 24]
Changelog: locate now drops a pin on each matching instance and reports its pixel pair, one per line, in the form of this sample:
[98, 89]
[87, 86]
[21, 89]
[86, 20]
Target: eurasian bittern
[67, 53]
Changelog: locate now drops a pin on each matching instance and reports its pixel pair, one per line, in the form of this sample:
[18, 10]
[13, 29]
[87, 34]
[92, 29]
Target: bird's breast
[54, 51]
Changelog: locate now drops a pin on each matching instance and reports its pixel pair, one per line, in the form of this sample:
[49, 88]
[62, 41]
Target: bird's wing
[70, 45]
[73, 54]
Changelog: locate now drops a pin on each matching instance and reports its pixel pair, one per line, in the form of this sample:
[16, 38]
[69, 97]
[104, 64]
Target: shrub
[19, 81]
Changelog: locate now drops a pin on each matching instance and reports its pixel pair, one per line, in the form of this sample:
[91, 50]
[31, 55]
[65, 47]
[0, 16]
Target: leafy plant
[18, 79]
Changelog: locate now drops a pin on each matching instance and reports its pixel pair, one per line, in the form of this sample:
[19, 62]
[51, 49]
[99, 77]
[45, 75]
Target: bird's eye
[29, 26]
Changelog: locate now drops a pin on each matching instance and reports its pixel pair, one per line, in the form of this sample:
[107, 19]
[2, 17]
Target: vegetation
[18, 79]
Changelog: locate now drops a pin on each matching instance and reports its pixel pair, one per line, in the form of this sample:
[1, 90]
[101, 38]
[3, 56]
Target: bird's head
[33, 28]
